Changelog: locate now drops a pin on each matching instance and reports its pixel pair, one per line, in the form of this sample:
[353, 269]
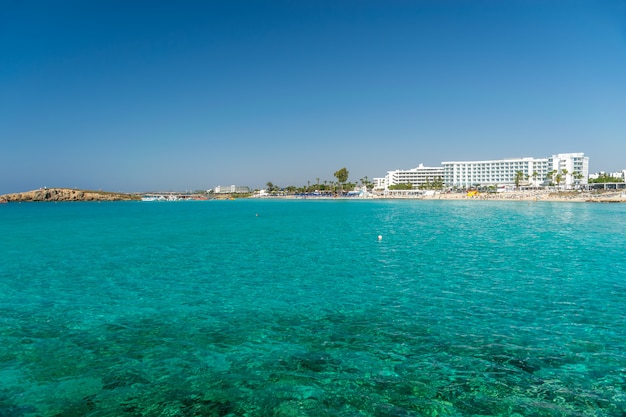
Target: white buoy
[380, 237]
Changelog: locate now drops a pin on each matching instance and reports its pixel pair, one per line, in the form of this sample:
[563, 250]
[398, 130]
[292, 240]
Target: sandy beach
[528, 195]
[539, 195]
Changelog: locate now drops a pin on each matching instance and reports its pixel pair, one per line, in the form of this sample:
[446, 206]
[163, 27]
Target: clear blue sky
[176, 95]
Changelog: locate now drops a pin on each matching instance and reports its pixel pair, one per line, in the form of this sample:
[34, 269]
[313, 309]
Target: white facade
[617, 174]
[420, 176]
[465, 174]
[379, 183]
[573, 167]
[233, 189]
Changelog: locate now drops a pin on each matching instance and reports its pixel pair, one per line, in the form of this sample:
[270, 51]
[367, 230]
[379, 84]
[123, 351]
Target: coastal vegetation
[342, 177]
[271, 187]
[430, 184]
[326, 187]
[519, 176]
[604, 178]
[403, 186]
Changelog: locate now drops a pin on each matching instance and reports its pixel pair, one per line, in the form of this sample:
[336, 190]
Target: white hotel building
[464, 174]
[501, 172]
[416, 176]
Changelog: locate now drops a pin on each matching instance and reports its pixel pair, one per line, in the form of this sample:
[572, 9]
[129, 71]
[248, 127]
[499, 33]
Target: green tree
[577, 177]
[558, 178]
[342, 177]
[271, 187]
[603, 177]
[438, 183]
[519, 176]
[403, 186]
[564, 173]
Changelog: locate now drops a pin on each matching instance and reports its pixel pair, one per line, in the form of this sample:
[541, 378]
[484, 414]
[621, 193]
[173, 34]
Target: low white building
[418, 177]
[617, 174]
[233, 189]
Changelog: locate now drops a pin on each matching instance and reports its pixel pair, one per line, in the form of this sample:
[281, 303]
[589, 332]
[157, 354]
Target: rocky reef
[66, 194]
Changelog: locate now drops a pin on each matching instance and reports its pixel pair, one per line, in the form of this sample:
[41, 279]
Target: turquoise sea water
[295, 308]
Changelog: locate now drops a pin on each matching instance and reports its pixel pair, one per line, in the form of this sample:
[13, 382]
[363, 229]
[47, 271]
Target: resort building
[621, 175]
[379, 183]
[573, 168]
[419, 177]
[466, 174]
[233, 189]
[565, 170]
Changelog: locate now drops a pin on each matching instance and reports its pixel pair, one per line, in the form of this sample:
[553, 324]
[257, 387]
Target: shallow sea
[296, 308]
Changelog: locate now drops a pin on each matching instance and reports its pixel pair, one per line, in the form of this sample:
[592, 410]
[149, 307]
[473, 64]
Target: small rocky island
[66, 194]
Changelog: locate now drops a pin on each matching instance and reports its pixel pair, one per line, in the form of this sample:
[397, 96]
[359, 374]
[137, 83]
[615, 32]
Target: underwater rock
[315, 362]
[123, 379]
[524, 365]
[16, 410]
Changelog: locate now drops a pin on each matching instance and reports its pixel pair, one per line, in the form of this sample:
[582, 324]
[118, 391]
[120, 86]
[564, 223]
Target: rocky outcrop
[66, 194]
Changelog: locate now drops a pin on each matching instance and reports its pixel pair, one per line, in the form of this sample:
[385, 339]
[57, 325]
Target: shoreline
[530, 196]
[74, 195]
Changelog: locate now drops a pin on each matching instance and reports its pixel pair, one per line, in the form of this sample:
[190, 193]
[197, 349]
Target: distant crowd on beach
[522, 195]
[528, 195]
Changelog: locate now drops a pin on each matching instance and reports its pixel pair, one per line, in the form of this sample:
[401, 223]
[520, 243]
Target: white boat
[153, 197]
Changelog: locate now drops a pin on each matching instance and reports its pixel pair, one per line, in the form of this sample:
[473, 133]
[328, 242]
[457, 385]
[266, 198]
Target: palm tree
[558, 178]
[342, 177]
[535, 175]
[440, 183]
[578, 176]
[564, 172]
[519, 175]
[550, 176]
